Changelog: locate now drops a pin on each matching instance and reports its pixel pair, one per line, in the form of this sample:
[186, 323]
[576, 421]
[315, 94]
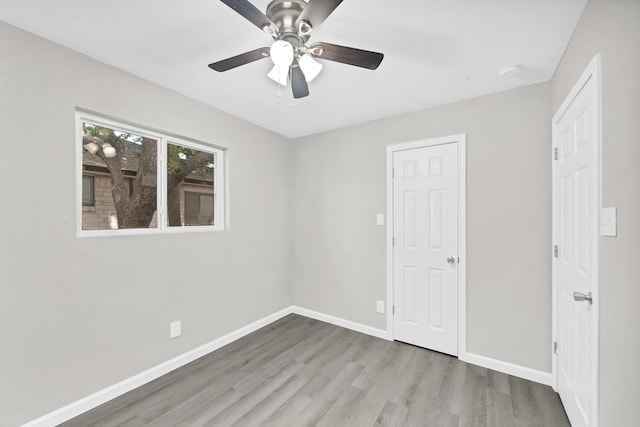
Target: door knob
[451, 260]
[579, 296]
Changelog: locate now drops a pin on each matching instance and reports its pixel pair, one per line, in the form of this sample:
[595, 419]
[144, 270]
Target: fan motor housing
[284, 14]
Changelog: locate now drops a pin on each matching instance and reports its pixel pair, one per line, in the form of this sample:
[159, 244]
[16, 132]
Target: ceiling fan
[290, 23]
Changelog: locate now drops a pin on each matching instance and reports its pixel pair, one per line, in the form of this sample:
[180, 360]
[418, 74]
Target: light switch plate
[379, 219]
[609, 225]
[175, 329]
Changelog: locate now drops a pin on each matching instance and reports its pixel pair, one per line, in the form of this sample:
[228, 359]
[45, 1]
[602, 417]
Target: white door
[425, 251]
[576, 203]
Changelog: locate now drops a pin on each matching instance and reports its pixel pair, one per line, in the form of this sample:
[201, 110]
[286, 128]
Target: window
[193, 169]
[198, 208]
[139, 181]
[88, 198]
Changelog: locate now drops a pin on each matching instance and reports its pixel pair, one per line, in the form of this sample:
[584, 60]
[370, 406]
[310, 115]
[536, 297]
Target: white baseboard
[358, 327]
[509, 368]
[96, 399]
[76, 408]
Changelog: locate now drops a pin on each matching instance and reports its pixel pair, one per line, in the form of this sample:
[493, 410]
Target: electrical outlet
[380, 306]
[379, 219]
[175, 329]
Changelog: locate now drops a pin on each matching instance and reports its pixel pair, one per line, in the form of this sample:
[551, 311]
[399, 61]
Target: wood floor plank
[301, 372]
[499, 409]
[473, 399]
[499, 382]
[428, 390]
[321, 380]
[324, 399]
[525, 405]
[550, 406]
[452, 387]
[270, 404]
[404, 389]
[275, 381]
[202, 415]
[289, 413]
[391, 414]
[378, 385]
[342, 408]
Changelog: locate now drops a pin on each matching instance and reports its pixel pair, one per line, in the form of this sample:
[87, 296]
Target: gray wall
[339, 185]
[612, 27]
[78, 315]
[71, 324]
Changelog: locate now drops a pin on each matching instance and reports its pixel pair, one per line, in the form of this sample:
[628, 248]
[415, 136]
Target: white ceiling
[436, 52]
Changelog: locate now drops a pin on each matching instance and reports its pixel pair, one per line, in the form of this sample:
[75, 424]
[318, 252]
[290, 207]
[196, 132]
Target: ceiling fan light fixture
[281, 53]
[290, 23]
[279, 75]
[310, 67]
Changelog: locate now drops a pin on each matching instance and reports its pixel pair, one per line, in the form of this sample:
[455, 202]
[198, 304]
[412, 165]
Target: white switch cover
[379, 219]
[380, 306]
[609, 222]
[175, 329]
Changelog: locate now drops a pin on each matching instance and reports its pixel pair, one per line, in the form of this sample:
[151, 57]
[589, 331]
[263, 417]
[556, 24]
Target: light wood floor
[302, 372]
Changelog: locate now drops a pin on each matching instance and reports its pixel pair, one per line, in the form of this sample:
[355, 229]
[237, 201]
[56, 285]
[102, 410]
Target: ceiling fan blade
[238, 60]
[298, 82]
[346, 55]
[252, 14]
[316, 11]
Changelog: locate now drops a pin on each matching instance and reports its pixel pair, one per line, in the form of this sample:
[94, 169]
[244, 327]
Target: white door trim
[460, 140]
[592, 72]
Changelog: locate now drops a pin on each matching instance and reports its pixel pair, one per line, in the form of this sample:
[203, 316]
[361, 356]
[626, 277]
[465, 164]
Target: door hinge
[555, 153]
[393, 309]
[555, 347]
[555, 251]
[393, 172]
[393, 241]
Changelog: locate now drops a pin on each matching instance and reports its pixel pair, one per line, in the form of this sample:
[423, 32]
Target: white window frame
[163, 139]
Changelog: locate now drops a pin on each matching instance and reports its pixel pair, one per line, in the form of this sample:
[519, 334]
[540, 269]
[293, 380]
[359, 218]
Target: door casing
[460, 141]
[591, 72]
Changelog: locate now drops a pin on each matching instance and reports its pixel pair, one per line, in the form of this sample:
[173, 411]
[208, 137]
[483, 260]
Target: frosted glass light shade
[279, 75]
[310, 67]
[281, 53]
[108, 150]
[92, 147]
